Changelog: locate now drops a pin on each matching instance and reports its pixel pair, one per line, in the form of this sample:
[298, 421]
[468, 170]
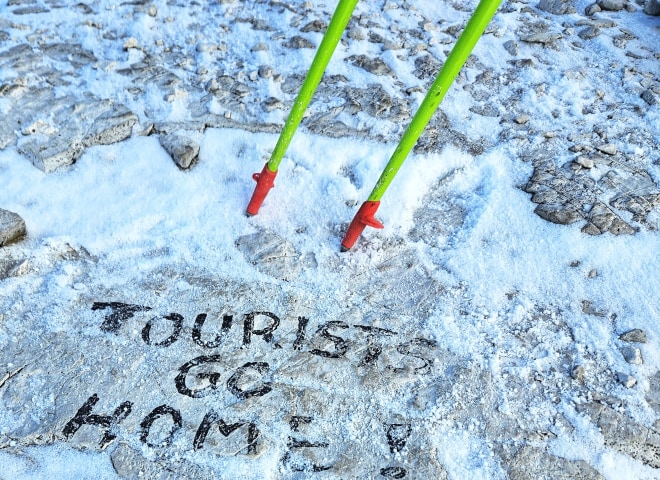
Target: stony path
[592, 147]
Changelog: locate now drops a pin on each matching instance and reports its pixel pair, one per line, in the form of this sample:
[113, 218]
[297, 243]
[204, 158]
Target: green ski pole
[457, 58]
[265, 180]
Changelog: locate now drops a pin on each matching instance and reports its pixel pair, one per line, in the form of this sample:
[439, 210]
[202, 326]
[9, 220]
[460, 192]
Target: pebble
[650, 97]
[608, 148]
[131, 42]
[611, 5]
[578, 373]
[589, 33]
[511, 46]
[585, 162]
[298, 42]
[632, 355]
[259, 47]
[626, 380]
[266, 71]
[636, 335]
[183, 147]
[652, 8]
[592, 9]
[12, 227]
[522, 119]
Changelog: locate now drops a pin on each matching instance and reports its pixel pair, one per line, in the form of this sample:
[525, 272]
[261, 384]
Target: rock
[607, 148]
[375, 66]
[650, 97]
[635, 335]
[426, 67]
[50, 154]
[606, 220]
[265, 71]
[511, 47]
[578, 373]
[592, 9]
[30, 10]
[259, 47]
[71, 53]
[273, 103]
[593, 273]
[626, 380]
[131, 42]
[652, 7]
[543, 38]
[315, 26]
[556, 7]
[12, 227]
[182, 146]
[112, 123]
[297, 42]
[653, 394]
[558, 213]
[632, 355]
[611, 5]
[522, 119]
[589, 33]
[585, 162]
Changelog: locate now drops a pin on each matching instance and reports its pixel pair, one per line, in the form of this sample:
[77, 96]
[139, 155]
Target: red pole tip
[363, 218]
[265, 181]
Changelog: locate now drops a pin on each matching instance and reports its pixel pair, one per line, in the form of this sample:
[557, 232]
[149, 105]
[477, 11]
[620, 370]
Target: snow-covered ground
[150, 329]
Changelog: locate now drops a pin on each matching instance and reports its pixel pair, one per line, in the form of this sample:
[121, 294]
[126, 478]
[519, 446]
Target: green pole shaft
[330, 40]
[459, 54]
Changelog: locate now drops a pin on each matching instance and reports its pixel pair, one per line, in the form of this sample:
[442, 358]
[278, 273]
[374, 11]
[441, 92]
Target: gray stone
[375, 66]
[652, 7]
[259, 47]
[592, 9]
[557, 7]
[182, 146]
[606, 220]
[12, 227]
[589, 33]
[266, 71]
[49, 154]
[297, 42]
[558, 213]
[315, 26]
[70, 53]
[30, 10]
[112, 123]
[585, 162]
[650, 97]
[426, 66]
[636, 335]
[608, 148]
[632, 355]
[521, 119]
[273, 103]
[578, 373]
[543, 38]
[511, 46]
[653, 395]
[611, 5]
[626, 380]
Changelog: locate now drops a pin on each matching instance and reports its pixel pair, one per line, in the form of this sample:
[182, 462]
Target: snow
[131, 206]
